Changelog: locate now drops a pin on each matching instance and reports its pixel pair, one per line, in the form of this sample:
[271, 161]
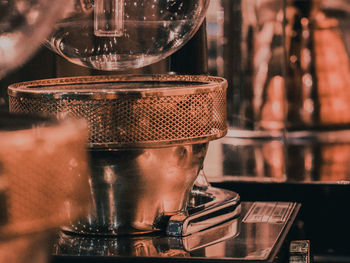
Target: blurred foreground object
[43, 183]
[23, 26]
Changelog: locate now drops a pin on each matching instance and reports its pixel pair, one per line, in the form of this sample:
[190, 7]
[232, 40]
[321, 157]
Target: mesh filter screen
[132, 110]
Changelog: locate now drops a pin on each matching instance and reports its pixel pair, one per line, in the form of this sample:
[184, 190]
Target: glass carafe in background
[246, 46]
[287, 64]
[318, 71]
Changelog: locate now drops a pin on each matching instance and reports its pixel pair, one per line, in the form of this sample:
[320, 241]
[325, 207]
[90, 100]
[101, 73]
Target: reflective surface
[124, 34]
[239, 239]
[302, 157]
[207, 208]
[132, 189]
[246, 46]
[148, 140]
[144, 246]
[23, 26]
[317, 46]
[267, 92]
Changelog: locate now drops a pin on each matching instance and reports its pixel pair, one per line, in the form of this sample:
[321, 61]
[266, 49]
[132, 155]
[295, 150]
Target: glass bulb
[125, 34]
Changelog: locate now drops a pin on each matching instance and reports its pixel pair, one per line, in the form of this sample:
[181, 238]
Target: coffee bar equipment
[148, 140]
[149, 134]
[149, 194]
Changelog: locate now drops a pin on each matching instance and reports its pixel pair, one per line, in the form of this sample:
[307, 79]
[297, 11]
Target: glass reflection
[245, 42]
[246, 159]
[248, 42]
[243, 238]
[318, 69]
[311, 157]
[152, 245]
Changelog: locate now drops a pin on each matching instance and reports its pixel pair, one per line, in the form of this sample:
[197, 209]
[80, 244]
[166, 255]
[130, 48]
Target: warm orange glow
[333, 75]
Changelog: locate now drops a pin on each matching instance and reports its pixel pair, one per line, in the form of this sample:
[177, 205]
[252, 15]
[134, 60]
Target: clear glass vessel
[124, 34]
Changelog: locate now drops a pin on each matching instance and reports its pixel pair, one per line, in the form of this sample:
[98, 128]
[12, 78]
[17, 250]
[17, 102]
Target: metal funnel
[148, 140]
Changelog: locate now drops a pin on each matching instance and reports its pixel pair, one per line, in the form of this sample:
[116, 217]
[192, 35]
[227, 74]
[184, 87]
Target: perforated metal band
[129, 110]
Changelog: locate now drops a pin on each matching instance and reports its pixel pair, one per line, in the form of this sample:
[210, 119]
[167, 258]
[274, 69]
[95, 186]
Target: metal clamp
[219, 206]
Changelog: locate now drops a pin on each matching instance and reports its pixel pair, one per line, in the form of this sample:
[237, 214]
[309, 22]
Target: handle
[220, 205]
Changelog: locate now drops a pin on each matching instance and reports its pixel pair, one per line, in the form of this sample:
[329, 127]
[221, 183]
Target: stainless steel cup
[148, 140]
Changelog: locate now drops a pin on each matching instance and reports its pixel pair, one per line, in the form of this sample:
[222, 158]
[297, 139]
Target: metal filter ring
[132, 110]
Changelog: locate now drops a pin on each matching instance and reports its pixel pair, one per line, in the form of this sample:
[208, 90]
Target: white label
[268, 212]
